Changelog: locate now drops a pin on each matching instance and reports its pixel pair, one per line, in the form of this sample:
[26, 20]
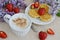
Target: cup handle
[7, 18]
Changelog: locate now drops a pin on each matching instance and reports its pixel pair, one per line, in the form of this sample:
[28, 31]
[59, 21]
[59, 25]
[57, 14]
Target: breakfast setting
[29, 19]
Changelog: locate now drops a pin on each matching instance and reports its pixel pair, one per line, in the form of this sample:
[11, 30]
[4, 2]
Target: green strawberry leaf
[58, 14]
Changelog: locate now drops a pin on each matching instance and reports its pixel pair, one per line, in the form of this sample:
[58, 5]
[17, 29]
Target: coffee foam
[14, 26]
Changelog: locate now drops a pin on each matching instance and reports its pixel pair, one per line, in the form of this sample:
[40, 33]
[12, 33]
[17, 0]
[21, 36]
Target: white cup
[17, 30]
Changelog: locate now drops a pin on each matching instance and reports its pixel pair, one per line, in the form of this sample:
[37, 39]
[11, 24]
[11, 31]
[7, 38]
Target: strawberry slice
[50, 31]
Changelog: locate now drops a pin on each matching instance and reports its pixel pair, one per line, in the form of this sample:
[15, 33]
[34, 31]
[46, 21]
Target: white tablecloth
[32, 35]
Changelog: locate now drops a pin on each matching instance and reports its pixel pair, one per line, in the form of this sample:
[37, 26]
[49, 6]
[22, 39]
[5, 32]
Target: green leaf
[58, 14]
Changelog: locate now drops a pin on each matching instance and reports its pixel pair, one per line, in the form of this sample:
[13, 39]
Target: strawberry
[50, 31]
[41, 11]
[32, 6]
[16, 10]
[0, 35]
[42, 35]
[3, 34]
[9, 6]
[36, 4]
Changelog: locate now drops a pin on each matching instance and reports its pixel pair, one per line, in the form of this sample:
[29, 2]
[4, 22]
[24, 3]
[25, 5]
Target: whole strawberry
[41, 11]
[3, 34]
[9, 6]
[16, 9]
[36, 4]
[42, 35]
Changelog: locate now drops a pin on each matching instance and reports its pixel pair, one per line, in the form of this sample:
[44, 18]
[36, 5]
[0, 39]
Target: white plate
[36, 21]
